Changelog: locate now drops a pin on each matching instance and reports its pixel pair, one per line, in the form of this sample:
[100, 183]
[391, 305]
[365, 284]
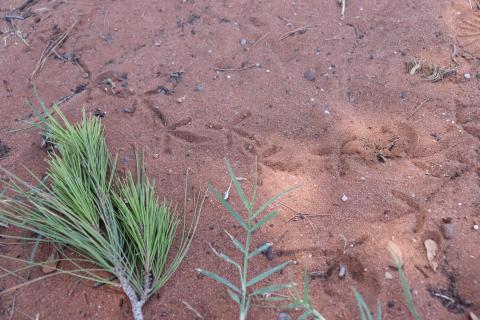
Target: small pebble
[467, 76]
[342, 272]
[243, 42]
[403, 95]
[477, 76]
[371, 56]
[128, 110]
[199, 88]
[391, 304]
[284, 316]
[447, 228]
[310, 75]
[475, 227]
[269, 253]
[317, 51]
[125, 160]
[99, 113]
[344, 198]
[388, 276]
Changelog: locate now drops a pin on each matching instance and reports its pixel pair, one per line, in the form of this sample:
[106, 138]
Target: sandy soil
[404, 151]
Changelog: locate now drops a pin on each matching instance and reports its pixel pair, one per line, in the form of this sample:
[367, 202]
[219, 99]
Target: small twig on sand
[342, 2]
[12, 308]
[70, 292]
[257, 41]
[287, 21]
[300, 30]
[17, 32]
[255, 65]
[303, 216]
[26, 4]
[192, 309]
[418, 108]
[49, 50]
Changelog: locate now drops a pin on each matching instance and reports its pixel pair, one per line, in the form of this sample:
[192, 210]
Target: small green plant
[365, 312]
[302, 301]
[243, 294]
[117, 224]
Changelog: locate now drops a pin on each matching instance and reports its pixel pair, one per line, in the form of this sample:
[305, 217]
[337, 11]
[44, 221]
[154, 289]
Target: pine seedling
[118, 225]
[243, 293]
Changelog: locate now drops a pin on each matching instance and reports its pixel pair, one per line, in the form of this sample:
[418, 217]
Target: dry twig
[254, 65]
[192, 309]
[418, 108]
[300, 30]
[50, 49]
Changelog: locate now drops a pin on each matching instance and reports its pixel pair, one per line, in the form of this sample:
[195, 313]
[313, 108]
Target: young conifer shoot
[117, 224]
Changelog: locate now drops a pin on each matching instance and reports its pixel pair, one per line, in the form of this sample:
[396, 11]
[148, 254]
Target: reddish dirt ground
[360, 129]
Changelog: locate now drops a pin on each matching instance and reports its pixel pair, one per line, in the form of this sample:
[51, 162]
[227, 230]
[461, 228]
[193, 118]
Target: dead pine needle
[192, 309]
[418, 108]
[52, 46]
[413, 66]
[300, 30]
[257, 41]
[250, 66]
[437, 73]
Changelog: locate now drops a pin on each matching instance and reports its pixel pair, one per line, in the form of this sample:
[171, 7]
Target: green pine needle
[120, 225]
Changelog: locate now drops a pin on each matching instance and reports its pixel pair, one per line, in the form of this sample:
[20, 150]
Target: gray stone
[310, 75]
[284, 316]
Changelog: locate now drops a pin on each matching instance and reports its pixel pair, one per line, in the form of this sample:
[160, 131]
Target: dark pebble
[310, 75]
[391, 304]
[269, 253]
[284, 316]
[199, 87]
[477, 76]
[4, 149]
[447, 228]
[128, 110]
[371, 56]
[99, 113]
[403, 95]
[125, 160]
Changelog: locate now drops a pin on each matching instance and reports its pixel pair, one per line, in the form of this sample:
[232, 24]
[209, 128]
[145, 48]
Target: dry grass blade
[413, 66]
[50, 49]
[300, 30]
[437, 73]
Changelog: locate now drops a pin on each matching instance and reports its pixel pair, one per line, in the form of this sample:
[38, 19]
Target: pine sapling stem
[132, 296]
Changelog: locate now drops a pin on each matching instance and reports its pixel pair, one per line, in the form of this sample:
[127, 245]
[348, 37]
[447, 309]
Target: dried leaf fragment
[432, 249]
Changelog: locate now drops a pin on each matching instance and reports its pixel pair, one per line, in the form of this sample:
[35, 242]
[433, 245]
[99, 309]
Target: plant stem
[243, 303]
[132, 296]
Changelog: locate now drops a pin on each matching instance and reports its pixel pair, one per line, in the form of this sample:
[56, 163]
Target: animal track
[252, 145]
[171, 129]
[468, 31]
